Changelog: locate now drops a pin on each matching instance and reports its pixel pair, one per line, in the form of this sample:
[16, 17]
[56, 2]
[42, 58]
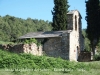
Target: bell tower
[74, 20]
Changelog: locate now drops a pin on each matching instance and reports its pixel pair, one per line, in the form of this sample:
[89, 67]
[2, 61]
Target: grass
[91, 72]
[27, 64]
[33, 73]
[3, 43]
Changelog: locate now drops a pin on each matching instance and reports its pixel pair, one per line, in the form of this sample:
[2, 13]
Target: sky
[38, 9]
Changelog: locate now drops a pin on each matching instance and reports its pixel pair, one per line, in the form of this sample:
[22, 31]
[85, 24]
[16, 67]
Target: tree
[60, 15]
[12, 27]
[86, 40]
[93, 25]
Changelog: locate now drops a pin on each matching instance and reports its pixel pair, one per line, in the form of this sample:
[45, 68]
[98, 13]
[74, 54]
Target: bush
[32, 40]
[97, 57]
[11, 60]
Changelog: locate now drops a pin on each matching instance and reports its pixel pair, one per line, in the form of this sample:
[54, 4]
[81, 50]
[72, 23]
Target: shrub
[32, 40]
[97, 57]
[11, 60]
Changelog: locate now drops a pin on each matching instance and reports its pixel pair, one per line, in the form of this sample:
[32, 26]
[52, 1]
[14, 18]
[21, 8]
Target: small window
[75, 22]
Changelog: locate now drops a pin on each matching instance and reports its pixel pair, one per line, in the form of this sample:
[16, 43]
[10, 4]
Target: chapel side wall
[65, 45]
[57, 47]
[52, 47]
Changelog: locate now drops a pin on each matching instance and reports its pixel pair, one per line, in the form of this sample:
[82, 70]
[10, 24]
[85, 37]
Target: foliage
[16, 64]
[98, 47]
[27, 64]
[93, 22]
[97, 57]
[12, 27]
[20, 61]
[60, 15]
[86, 41]
[32, 40]
[2, 42]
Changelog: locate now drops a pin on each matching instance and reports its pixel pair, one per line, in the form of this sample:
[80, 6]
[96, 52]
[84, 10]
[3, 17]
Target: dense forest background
[12, 27]
[87, 42]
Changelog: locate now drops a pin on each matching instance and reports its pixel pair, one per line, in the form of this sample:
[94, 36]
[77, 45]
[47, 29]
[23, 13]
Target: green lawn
[94, 70]
[91, 72]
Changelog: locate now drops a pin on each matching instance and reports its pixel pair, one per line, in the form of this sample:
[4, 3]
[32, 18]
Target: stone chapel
[65, 44]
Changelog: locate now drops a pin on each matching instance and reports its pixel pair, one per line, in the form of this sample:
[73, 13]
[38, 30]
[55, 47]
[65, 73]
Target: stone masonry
[57, 47]
[24, 48]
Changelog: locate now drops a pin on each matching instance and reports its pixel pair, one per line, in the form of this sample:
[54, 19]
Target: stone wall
[84, 56]
[52, 47]
[76, 39]
[65, 45]
[23, 48]
[74, 46]
[57, 47]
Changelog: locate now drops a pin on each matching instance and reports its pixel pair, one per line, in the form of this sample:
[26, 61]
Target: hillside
[12, 27]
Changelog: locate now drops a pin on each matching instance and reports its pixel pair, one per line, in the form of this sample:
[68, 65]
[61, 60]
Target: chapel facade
[66, 44]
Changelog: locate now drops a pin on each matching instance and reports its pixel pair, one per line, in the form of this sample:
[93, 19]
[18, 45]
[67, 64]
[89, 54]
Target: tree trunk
[94, 43]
